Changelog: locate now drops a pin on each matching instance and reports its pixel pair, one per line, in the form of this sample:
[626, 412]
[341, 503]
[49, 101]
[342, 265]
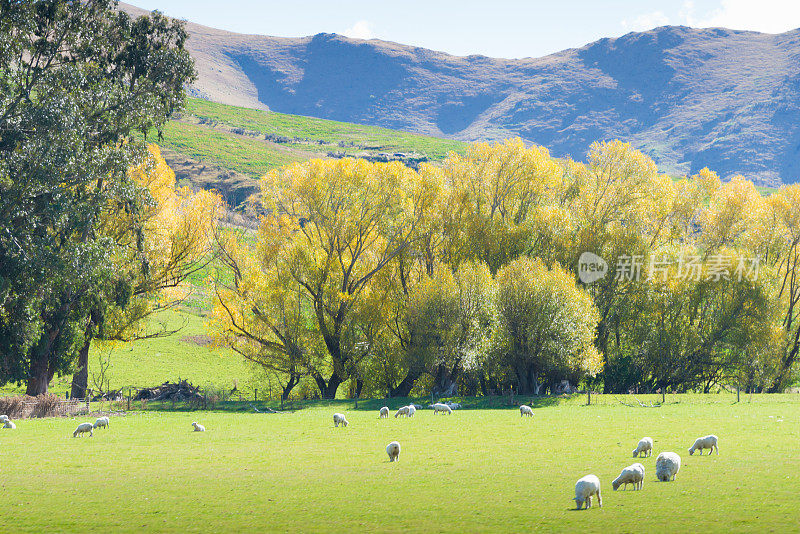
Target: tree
[546, 325]
[77, 80]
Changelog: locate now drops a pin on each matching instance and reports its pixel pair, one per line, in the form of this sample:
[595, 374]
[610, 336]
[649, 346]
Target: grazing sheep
[402, 411]
[708, 442]
[338, 419]
[411, 410]
[667, 466]
[633, 474]
[439, 407]
[525, 410]
[101, 422]
[84, 428]
[3, 418]
[384, 413]
[198, 427]
[9, 424]
[645, 446]
[585, 488]
[453, 405]
[393, 450]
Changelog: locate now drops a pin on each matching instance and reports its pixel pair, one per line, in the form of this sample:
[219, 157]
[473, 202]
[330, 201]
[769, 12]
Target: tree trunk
[446, 381]
[41, 372]
[359, 387]
[333, 385]
[287, 389]
[404, 388]
[80, 380]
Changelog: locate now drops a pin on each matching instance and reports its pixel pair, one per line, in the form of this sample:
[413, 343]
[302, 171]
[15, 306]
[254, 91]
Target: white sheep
[393, 450]
[645, 446]
[453, 405]
[439, 407]
[338, 419]
[402, 411]
[667, 466]
[633, 474]
[525, 410]
[101, 422]
[585, 488]
[708, 442]
[411, 410]
[9, 424]
[3, 418]
[384, 413]
[84, 428]
[198, 427]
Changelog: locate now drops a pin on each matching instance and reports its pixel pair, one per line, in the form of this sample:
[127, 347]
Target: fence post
[129, 399]
[588, 396]
[255, 395]
[737, 392]
[87, 404]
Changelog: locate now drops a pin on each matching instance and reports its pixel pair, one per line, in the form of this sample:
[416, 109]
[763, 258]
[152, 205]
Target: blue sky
[499, 28]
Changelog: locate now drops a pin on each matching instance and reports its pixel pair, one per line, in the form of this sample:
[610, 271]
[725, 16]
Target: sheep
[667, 466]
[384, 413]
[708, 442]
[84, 428]
[439, 407]
[411, 410]
[393, 450]
[453, 405]
[198, 427]
[101, 422]
[402, 411]
[645, 446]
[9, 424]
[633, 474]
[338, 419]
[3, 418]
[525, 410]
[585, 488]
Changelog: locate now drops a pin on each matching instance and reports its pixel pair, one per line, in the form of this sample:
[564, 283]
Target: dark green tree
[78, 80]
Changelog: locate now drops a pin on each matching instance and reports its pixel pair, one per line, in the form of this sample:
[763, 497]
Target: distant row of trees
[466, 276]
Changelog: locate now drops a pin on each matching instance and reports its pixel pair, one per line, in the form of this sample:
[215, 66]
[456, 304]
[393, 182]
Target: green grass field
[475, 471]
[153, 361]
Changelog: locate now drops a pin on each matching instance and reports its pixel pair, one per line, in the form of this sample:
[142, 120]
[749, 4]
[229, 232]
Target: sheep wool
[9, 424]
[339, 419]
[633, 474]
[439, 407]
[3, 418]
[384, 413]
[585, 489]
[707, 442]
[667, 466]
[401, 411]
[84, 428]
[525, 410]
[411, 410]
[101, 422]
[198, 427]
[393, 450]
[644, 448]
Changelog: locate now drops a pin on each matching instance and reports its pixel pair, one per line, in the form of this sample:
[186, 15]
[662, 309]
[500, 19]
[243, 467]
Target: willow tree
[546, 325]
[77, 80]
[331, 227]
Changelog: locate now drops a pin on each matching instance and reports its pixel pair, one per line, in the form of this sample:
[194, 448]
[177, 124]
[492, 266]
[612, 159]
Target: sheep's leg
[588, 502]
[599, 499]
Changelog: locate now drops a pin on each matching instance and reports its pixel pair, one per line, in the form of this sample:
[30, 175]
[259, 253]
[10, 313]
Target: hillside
[228, 148]
[690, 98]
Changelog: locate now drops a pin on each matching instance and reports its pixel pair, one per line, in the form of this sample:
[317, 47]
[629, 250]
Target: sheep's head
[636, 453]
[691, 451]
[578, 502]
[344, 422]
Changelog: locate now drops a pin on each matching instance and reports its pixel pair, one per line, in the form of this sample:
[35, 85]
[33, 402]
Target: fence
[43, 406]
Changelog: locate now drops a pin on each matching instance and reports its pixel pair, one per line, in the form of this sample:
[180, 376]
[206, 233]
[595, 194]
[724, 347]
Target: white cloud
[770, 16]
[646, 21]
[360, 30]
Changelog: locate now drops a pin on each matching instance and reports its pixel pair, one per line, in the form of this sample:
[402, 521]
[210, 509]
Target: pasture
[477, 470]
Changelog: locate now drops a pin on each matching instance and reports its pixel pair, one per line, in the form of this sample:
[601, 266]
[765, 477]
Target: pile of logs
[174, 391]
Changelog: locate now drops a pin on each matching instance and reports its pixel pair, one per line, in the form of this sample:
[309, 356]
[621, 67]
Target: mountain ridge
[690, 98]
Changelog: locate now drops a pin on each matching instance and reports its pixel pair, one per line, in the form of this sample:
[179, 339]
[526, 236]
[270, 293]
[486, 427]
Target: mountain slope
[690, 98]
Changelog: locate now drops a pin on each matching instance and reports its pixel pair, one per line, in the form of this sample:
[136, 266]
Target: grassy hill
[228, 148]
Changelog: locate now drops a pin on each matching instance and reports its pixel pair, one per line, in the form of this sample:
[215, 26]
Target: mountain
[690, 98]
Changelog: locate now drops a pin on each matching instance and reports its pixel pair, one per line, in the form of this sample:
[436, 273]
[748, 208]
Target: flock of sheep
[667, 463]
[667, 466]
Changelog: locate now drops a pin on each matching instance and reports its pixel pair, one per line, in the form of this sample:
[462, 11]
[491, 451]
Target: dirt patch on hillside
[197, 340]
